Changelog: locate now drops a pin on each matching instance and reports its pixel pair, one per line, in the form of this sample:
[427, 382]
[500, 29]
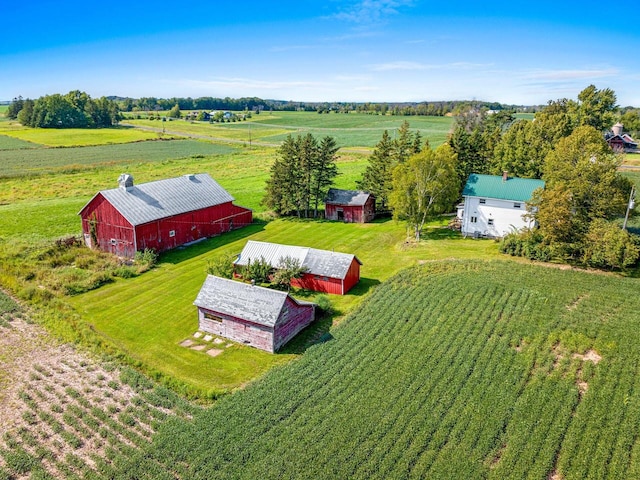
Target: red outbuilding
[259, 317]
[350, 206]
[159, 215]
[326, 271]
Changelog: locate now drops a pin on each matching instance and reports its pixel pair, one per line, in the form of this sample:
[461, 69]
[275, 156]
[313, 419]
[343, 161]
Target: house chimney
[125, 181]
[505, 176]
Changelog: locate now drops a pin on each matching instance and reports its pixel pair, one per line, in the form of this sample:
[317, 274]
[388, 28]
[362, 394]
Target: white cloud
[247, 83]
[371, 11]
[403, 65]
[576, 74]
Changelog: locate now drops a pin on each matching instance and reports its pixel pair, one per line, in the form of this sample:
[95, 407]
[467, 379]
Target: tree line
[76, 109]
[584, 197]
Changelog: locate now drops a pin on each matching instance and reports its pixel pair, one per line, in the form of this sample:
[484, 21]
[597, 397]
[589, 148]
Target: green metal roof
[493, 186]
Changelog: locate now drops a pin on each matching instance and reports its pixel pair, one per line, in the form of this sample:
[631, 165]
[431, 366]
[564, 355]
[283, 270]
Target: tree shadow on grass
[319, 330]
[180, 254]
[440, 233]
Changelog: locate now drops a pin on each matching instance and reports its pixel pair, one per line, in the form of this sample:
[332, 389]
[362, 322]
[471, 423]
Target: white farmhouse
[495, 205]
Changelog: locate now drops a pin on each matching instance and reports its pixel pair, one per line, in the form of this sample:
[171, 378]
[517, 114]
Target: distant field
[23, 161]
[349, 130]
[46, 206]
[450, 370]
[73, 137]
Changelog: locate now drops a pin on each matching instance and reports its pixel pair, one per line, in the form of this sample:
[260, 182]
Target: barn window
[516, 205]
[483, 201]
[114, 241]
[473, 220]
[490, 221]
[172, 233]
[213, 317]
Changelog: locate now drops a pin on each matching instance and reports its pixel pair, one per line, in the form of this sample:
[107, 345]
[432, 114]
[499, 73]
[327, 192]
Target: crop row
[459, 373]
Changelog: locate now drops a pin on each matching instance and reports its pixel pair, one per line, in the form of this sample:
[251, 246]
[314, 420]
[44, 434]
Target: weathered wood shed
[260, 317]
[350, 206]
[328, 272]
[159, 215]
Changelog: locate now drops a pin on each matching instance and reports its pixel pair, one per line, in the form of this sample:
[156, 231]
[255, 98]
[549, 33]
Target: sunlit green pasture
[20, 159]
[72, 137]
[349, 130]
[128, 313]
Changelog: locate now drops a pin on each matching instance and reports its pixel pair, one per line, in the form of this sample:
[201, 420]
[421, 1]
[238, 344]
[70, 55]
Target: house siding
[352, 213]
[236, 329]
[113, 232]
[505, 217]
[293, 318]
[116, 235]
[331, 285]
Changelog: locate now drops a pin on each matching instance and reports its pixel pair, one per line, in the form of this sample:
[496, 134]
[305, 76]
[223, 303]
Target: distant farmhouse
[495, 205]
[328, 272]
[260, 317]
[159, 215]
[350, 206]
[619, 141]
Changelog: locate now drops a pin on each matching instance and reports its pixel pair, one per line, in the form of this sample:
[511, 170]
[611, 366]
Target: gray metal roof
[152, 201]
[249, 302]
[347, 197]
[318, 262]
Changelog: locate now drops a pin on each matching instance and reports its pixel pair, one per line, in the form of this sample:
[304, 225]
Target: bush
[528, 244]
[146, 259]
[221, 266]
[606, 245]
[323, 304]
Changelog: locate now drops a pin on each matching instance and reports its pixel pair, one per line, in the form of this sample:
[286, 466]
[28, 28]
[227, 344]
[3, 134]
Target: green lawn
[73, 137]
[148, 316]
[451, 370]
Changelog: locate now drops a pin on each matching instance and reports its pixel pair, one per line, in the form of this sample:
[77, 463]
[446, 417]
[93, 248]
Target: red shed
[328, 272]
[159, 215]
[260, 317]
[350, 206]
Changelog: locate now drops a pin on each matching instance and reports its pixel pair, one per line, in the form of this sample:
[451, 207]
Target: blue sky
[307, 50]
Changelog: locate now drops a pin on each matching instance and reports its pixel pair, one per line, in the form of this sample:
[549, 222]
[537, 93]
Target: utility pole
[630, 205]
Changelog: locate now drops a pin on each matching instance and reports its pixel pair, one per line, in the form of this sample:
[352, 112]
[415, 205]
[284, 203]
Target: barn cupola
[125, 181]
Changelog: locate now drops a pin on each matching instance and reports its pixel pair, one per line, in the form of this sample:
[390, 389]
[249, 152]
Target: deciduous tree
[424, 186]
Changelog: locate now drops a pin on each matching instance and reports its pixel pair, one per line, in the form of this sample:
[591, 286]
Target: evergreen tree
[324, 171]
[376, 178]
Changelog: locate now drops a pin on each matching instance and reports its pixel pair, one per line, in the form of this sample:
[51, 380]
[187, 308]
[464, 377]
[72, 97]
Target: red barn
[350, 206]
[159, 215]
[328, 272]
[260, 317]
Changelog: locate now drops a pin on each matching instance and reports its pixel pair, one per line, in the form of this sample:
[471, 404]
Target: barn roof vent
[190, 176]
[125, 181]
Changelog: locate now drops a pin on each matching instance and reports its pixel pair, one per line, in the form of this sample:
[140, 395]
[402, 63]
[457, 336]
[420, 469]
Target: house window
[215, 318]
[516, 205]
[483, 201]
[473, 220]
[172, 233]
[490, 221]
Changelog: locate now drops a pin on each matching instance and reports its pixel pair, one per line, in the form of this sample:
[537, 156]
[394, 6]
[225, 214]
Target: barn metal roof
[152, 201]
[248, 302]
[318, 262]
[493, 186]
[354, 198]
